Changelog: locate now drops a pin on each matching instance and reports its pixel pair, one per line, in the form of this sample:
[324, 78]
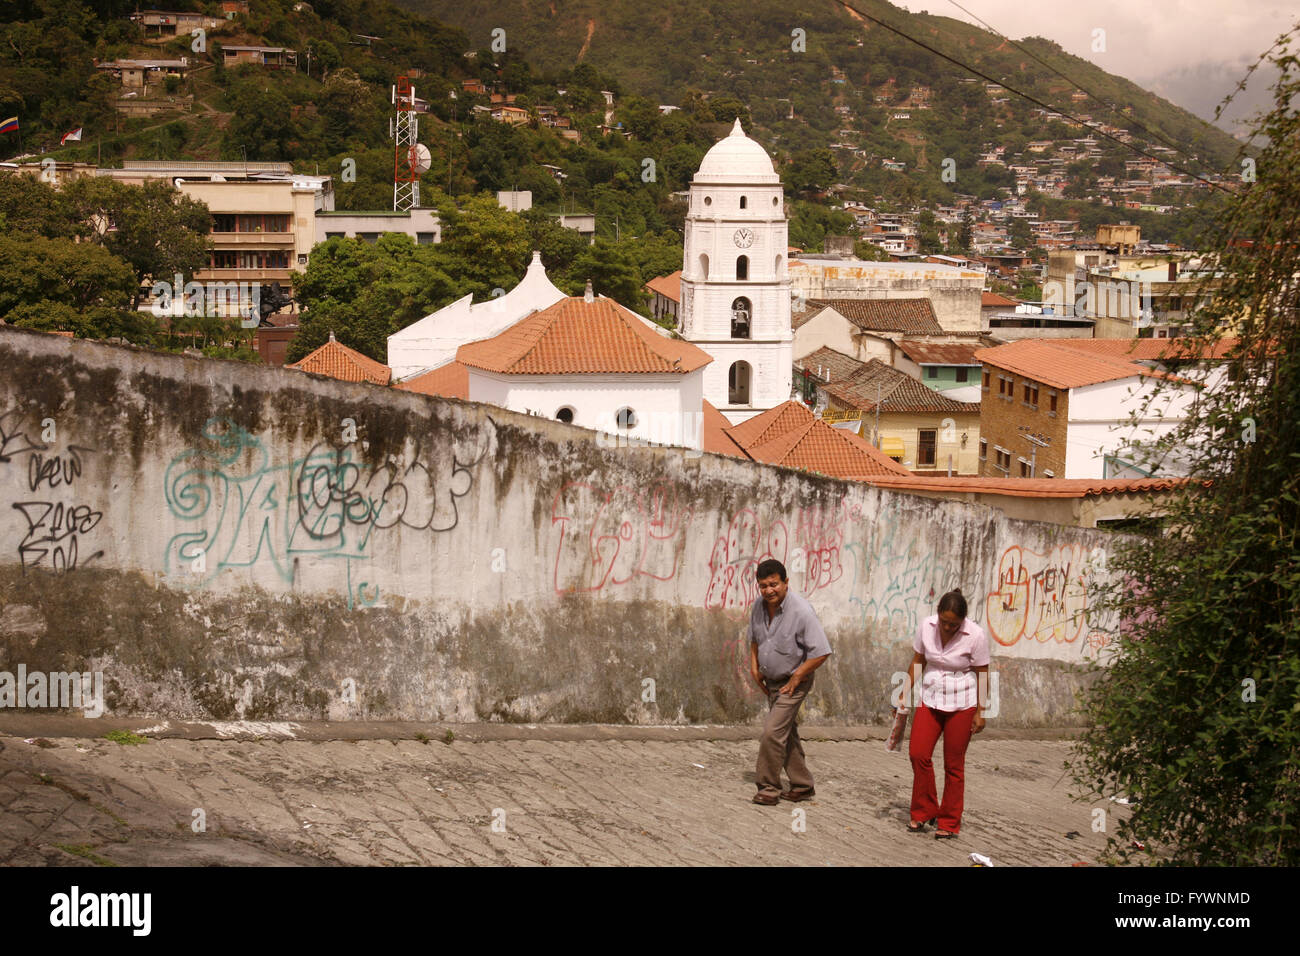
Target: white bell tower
[735, 284]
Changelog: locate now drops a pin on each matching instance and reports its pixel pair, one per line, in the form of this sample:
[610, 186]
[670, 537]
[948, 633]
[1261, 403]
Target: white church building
[589, 361]
[735, 301]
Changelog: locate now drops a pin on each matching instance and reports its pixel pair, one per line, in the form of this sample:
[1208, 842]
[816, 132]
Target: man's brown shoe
[766, 800]
[794, 796]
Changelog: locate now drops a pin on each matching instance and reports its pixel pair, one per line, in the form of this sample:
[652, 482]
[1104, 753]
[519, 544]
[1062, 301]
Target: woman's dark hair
[953, 602]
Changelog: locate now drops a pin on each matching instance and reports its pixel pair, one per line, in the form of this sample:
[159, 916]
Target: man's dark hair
[954, 602]
[768, 568]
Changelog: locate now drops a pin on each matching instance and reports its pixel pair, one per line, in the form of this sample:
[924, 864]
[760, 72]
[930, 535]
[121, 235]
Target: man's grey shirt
[793, 636]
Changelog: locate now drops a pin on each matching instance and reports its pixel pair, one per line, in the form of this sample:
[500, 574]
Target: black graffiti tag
[52, 530]
[55, 470]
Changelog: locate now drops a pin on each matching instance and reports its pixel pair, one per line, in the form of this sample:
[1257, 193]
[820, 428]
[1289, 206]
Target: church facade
[735, 284]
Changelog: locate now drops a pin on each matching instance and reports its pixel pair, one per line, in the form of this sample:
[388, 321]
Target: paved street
[515, 796]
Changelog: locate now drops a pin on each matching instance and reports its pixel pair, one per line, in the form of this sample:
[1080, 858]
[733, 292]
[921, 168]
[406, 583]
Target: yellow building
[922, 429]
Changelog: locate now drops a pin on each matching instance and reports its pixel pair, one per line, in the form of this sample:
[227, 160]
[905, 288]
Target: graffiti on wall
[899, 579]
[1042, 597]
[240, 508]
[55, 521]
[613, 537]
[810, 546]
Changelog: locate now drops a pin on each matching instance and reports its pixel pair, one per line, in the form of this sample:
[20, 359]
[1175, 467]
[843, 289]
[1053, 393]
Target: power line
[1110, 106]
[1025, 96]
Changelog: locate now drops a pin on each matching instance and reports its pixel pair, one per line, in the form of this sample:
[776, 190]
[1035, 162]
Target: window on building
[625, 418]
[925, 447]
[984, 449]
[565, 415]
[336, 235]
[1031, 395]
[1003, 459]
[225, 259]
[424, 238]
[742, 202]
[1024, 468]
[740, 318]
[742, 267]
[931, 372]
[986, 380]
[223, 222]
[963, 375]
[370, 237]
[1051, 402]
[738, 381]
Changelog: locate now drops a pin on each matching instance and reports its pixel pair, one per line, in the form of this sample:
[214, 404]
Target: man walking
[786, 644]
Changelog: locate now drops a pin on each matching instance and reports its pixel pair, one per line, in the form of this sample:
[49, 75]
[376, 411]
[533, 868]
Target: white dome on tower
[737, 159]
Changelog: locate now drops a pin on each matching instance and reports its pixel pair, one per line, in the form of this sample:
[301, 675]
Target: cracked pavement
[519, 796]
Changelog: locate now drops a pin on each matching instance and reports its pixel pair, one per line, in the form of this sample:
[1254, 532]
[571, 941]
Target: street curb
[34, 725]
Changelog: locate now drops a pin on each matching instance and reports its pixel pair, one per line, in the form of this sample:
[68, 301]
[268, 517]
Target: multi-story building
[1080, 408]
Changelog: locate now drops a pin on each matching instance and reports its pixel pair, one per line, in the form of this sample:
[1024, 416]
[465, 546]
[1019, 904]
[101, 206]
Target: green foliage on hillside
[64, 271]
[1198, 714]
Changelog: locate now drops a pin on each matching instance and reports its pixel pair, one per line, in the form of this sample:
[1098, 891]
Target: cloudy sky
[1192, 52]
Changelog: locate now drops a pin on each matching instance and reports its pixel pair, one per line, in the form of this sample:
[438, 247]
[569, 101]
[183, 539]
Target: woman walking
[954, 653]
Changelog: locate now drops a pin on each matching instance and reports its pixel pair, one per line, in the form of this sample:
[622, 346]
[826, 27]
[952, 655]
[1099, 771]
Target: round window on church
[626, 418]
[565, 415]
[776, 200]
[708, 201]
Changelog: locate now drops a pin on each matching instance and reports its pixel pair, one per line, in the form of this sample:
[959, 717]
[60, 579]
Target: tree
[612, 271]
[364, 293]
[57, 284]
[1197, 713]
[157, 230]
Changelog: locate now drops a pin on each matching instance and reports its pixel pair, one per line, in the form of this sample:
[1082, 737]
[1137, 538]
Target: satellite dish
[423, 158]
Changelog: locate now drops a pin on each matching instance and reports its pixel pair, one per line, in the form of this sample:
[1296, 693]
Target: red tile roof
[924, 353]
[715, 437]
[338, 361]
[669, 286]
[1052, 363]
[449, 381]
[791, 436]
[1031, 487]
[995, 299]
[1150, 350]
[858, 385]
[577, 337]
[888, 315]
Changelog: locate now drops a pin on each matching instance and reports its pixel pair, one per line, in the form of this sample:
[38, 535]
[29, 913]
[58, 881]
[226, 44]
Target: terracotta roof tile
[857, 385]
[669, 286]
[791, 436]
[887, 315]
[995, 299]
[449, 381]
[1031, 487]
[1150, 350]
[714, 434]
[771, 423]
[926, 353]
[1052, 363]
[338, 361]
[577, 337]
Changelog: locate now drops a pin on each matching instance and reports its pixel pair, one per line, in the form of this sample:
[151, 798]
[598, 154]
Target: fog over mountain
[1192, 52]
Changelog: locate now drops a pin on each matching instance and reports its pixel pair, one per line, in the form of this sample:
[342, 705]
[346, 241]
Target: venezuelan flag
[10, 125]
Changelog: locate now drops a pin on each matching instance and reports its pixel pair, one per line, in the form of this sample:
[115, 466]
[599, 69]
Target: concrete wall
[209, 536]
[954, 294]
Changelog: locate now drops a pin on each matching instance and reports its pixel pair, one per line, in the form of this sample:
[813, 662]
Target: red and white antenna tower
[406, 153]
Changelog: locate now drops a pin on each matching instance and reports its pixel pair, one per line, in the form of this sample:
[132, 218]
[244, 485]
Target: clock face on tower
[744, 237]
